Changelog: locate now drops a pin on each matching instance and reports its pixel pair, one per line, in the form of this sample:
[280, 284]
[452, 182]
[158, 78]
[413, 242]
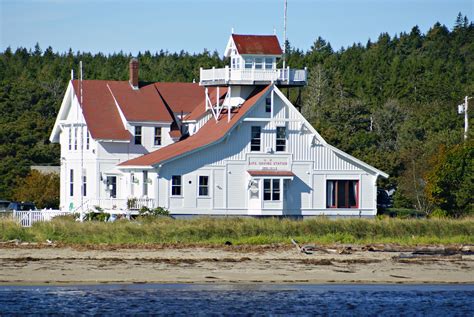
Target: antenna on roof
[284, 36]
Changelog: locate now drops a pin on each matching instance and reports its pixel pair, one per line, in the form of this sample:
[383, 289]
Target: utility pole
[463, 108]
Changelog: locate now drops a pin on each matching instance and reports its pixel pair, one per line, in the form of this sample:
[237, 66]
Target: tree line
[390, 102]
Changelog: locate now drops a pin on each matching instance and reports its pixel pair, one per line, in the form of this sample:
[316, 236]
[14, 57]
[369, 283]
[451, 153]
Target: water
[205, 300]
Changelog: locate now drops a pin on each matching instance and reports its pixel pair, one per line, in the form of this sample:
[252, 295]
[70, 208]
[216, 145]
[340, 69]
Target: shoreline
[53, 265]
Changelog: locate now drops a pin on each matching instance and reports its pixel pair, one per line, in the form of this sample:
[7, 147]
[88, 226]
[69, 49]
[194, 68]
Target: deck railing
[249, 75]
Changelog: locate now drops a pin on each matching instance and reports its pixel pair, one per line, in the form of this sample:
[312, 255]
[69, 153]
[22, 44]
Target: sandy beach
[52, 264]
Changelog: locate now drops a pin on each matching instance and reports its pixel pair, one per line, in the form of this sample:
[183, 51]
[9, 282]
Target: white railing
[28, 218]
[286, 75]
[121, 203]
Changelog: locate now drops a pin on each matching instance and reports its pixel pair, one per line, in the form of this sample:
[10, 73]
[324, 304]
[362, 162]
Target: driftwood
[309, 249]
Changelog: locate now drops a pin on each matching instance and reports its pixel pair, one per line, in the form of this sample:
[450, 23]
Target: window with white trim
[268, 63]
[280, 139]
[88, 140]
[342, 193]
[75, 138]
[157, 140]
[256, 139]
[258, 63]
[268, 104]
[84, 184]
[176, 187]
[70, 138]
[271, 189]
[203, 185]
[138, 134]
[71, 182]
[248, 62]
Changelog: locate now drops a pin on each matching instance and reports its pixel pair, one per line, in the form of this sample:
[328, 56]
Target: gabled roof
[144, 104]
[181, 97]
[104, 101]
[210, 133]
[257, 44]
[99, 110]
[200, 110]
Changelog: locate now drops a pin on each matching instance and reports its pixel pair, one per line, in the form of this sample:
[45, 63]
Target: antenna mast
[284, 36]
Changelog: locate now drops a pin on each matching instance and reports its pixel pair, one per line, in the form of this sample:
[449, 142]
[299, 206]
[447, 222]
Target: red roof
[149, 103]
[181, 97]
[210, 133]
[144, 104]
[270, 173]
[257, 44]
[100, 112]
[200, 110]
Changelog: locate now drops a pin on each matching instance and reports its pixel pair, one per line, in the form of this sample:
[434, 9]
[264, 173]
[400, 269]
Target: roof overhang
[271, 173]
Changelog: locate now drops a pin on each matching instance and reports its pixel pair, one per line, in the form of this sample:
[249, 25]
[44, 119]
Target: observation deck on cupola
[253, 61]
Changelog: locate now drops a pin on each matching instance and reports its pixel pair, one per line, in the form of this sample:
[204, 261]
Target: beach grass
[241, 231]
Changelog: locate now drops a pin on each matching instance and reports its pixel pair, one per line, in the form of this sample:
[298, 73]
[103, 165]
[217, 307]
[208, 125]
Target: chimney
[134, 73]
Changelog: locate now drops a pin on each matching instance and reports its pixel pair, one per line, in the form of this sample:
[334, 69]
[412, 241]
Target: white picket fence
[28, 218]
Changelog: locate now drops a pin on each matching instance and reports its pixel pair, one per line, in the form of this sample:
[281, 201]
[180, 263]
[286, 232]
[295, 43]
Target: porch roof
[271, 173]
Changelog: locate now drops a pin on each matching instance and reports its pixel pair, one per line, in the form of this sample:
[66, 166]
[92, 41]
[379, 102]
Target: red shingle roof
[200, 110]
[257, 44]
[100, 112]
[145, 104]
[181, 97]
[210, 133]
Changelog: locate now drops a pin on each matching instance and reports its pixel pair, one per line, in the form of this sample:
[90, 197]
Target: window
[248, 62]
[145, 183]
[268, 63]
[176, 185]
[71, 183]
[138, 135]
[84, 184]
[75, 138]
[203, 185]
[256, 139]
[342, 194]
[280, 139]
[112, 186]
[88, 140]
[258, 63]
[157, 136]
[268, 104]
[271, 189]
[236, 62]
[82, 138]
[70, 138]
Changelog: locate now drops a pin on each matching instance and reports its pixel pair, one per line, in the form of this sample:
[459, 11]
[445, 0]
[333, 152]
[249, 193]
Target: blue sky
[112, 25]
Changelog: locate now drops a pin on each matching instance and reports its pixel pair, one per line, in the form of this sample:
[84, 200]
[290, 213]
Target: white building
[231, 145]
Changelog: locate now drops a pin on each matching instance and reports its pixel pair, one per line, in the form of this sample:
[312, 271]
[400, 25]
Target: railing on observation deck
[249, 75]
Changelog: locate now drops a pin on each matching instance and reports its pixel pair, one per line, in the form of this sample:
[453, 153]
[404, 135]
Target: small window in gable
[268, 104]
[138, 135]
